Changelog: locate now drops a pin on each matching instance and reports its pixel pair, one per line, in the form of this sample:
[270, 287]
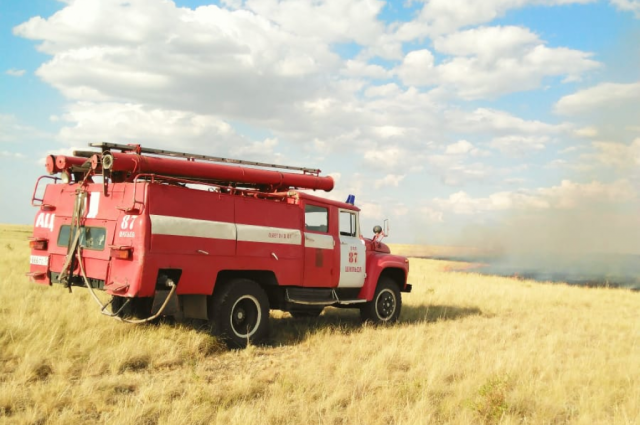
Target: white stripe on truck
[179, 226]
[250, 233]
[316, 240]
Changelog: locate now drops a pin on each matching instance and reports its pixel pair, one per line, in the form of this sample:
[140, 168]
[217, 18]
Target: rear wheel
[240, 313]
[386, 304]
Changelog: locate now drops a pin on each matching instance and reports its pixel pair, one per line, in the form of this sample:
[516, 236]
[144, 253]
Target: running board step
[316, 296]
[311, 296]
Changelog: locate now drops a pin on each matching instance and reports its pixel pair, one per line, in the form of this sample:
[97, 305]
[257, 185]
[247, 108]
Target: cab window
[316, 219]
[348, 224]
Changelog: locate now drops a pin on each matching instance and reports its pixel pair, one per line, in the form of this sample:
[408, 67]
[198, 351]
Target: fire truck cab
[198, 239]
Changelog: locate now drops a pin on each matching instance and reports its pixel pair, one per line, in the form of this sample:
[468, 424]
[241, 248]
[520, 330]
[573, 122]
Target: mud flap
[172, 308]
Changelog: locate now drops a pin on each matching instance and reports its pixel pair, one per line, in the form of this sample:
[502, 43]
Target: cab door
[319, 247]
[352, 251]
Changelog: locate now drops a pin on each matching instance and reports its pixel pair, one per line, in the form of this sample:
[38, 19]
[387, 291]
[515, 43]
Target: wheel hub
[240, 315]
[386, 305]
[245, 316]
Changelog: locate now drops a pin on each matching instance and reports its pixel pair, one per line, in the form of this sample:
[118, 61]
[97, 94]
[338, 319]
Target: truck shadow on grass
[285, 330]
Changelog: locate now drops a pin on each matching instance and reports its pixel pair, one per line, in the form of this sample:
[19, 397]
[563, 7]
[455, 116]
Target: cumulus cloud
[605, 95]
[439, 17]
[456, 164]
[619, 156]
[329, 20]
[492, 121]
[390, 180]
[588, 132]
[608, 110]
[490, 61]
[210, 60]
[358, 68]
[628, 6]
[519, 146]
[417, 68]
[86, 122]
[463, 147]
[566, 195]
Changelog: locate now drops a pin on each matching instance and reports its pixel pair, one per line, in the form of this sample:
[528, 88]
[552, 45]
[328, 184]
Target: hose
[115, 315]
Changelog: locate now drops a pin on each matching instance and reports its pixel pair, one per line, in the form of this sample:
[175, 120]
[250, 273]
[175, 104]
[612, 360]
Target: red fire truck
[202, 237]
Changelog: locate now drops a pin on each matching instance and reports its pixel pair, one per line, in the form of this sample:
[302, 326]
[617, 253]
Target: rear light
[122, 252]
[38, 243]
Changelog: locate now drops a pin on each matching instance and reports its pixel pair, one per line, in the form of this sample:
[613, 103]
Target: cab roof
[308, 197]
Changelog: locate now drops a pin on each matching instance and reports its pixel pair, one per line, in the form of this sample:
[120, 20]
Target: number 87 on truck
[221, 240]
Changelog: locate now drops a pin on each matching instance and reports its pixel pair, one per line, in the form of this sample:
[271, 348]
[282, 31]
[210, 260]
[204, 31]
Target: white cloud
[619, 156]
[588, 132]
[259, 151]
[566, 195]
[519, 146]
[210, 60]
[488, 43]
[490, 61]
[608, 110]
[328, 20]
[605, 95]
[389, 131]
[390, 180]
[417, 68]
[460, 147]
[454, 170]
[388, 157]
[358, 68]
[386, 90]
[439, 17]
[463, 147]
[575, 195]
[496, 122]
[15, 72]
[134, 123]
[628, 6]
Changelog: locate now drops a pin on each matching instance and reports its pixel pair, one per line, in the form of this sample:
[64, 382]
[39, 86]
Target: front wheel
[240, 313]
[386, 304]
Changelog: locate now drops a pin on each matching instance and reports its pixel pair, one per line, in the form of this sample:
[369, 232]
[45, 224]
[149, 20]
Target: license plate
[40, 260]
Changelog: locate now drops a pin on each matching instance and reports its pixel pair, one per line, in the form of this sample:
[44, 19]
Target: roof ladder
[138, 149]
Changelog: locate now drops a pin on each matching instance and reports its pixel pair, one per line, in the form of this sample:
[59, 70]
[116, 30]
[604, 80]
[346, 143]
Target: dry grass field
[469, 349]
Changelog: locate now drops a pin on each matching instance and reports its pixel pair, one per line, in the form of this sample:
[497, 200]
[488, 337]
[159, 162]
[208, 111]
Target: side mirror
[380, 232]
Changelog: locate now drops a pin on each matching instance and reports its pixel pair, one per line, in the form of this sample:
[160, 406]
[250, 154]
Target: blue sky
[449, 118]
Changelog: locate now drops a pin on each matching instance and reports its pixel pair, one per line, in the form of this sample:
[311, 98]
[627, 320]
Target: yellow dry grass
[468, 349]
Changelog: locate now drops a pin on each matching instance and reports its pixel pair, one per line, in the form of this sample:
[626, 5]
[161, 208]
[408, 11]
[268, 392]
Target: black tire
[306, 312]
[240, 313]
[386, 304]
